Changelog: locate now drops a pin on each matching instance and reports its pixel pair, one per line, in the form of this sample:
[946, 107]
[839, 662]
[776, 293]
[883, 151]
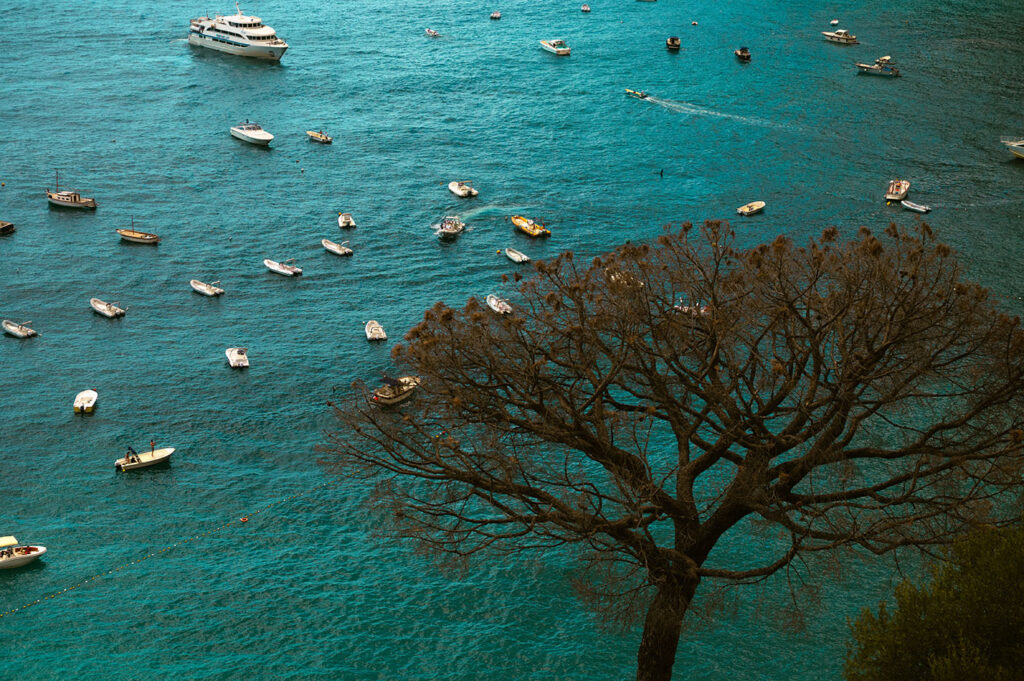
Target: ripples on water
[111, 95]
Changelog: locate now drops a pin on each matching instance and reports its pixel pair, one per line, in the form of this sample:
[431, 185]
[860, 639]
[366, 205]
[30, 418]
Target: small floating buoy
[244, 519]
[3, 184]
[498, 251]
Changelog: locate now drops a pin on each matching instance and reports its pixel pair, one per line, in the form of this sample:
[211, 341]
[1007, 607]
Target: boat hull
[17, 330]
[516, 256]
[266, 52]
[85, 204]
[390, 395]
[462, 189]
[85, 402]
[136, 237]
[752, 208]
[1017, 151]
[205, 289]
[283, 270]
[106, 309]
[337, 249]
[915, 207]
[19, 560]
[260, 141]
[559, 51]
[237, 358]
[374, 331]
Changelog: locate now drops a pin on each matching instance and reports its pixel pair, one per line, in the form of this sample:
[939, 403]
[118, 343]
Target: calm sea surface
[111, 94]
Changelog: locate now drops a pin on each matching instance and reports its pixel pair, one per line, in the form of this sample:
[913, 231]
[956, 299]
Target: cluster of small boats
[897, 191]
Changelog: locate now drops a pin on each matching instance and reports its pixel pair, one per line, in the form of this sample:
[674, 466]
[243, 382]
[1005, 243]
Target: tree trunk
[664, 620]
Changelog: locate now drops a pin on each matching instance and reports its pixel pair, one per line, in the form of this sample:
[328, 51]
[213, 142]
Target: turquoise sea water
[112, 95]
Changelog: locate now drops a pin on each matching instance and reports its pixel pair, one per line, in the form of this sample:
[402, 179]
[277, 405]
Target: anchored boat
[319, 137]
[555, 47]
[68, 198]
[251, 133]
[136, 237]
[462, 188]
[108, 310]
[206, 289]
[897, 190]
[751, 208]
[337, 249]
[395, 390]
[246, 36]
[133, 459]
[12, 555]
[528, 226]
[17, 330]
[237, 358]
[85, 401]
[283, 268]
[374, 331]
[840, 36]
[516, 256]
[499, 305]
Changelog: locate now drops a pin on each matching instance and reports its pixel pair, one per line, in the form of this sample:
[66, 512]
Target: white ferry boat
[237, 34]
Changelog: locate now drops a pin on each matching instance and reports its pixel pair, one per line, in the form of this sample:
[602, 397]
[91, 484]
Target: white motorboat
[12, 555]
[883, 66]
[555, 47]
[897, 190]
[85, 401]
[395, 390]
[206, 289]
[237, 357]
[283, 268]
[374, 331]
[337, 249]
[108, 310]
[1015, 145]
[916, 207]
[451, 226]
[68, 198]
[251, 133]
[462, 188]
[516, 256]
[499, 305]
[840, 36]
[751, 208]
[134, 459]
[431, 33]
[345, 221]
[495, 15]
[17, 330]
[246, 36]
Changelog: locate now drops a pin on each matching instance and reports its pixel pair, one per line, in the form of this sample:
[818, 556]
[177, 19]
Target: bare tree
[857, 394]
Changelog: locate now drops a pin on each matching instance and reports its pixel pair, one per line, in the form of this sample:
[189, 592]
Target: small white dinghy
[499, 305]
[134, 459]
[751, 208]
[237, 357]
[206, 289]
[345, 221]
[462, 188]
[85, 401]
[916, 207]
[374, 331]
[337, 249]
[282, 268]
[108, 310]
[12, 555]
[17, 330]
[516, 256]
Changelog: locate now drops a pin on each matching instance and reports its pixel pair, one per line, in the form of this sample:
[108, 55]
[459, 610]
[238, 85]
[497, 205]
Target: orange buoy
[244, 518]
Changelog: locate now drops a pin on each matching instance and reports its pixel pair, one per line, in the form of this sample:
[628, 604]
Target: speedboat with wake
[639, 94]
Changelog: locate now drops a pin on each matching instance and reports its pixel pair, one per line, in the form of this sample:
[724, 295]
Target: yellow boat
[319, 137]
[639, 94]
[528, 226]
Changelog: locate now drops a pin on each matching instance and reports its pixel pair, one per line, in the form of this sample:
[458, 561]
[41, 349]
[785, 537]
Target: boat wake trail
[694, 110]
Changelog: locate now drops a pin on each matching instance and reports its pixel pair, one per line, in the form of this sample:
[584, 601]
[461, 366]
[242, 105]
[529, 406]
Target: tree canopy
[644, 405]
[966, 624]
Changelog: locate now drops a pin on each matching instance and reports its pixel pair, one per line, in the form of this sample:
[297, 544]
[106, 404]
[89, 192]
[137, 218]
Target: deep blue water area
[110, 94]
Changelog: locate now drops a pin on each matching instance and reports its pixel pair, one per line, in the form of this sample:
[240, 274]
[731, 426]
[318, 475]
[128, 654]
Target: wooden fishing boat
[133, 459]
[283, 268]
[68, 198]
[916, 207]
[17, 330]
[528, 226]
[6, 228]
[108, 310]
[673, 42]
[13, 556]
[237, 358]
[337, 249]
[897, 190]
[85, 401]
[395, 390]
[462, 188]
[345, 220]
[374, 331]
[499, 305]
[751, 208]
[516, 256]
[206, 289]
[136, 237]
[320, 137]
